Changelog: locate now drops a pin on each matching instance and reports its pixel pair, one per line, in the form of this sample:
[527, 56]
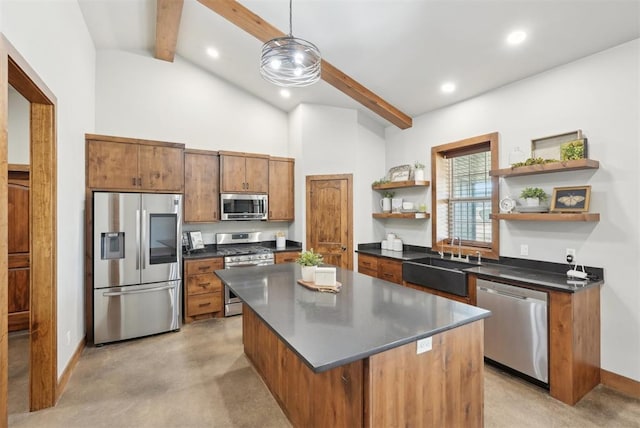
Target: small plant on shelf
[309, 258]
[533, 193]
[383, 180]
[533, 161]
[388, 194]
[418, 165]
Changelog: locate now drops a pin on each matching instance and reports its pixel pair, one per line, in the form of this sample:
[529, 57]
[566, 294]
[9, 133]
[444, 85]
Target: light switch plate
[424, 345]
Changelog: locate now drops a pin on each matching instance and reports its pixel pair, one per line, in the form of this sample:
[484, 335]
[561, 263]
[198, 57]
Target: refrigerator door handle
[138, 239]
[146, 290]
[144, 239]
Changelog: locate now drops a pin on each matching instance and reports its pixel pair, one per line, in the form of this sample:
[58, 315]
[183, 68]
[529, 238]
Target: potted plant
[418, 174]
[533, 195]
[385, 202]
[308, 261]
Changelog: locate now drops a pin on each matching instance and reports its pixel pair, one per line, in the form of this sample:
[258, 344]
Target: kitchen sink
[438, 274]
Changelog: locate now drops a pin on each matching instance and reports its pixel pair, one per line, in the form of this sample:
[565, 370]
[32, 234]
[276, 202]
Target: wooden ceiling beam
[248, 21]
[168, 13]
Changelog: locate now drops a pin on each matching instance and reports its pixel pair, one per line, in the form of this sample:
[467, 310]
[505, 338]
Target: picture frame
[571, 199]
[196, 240]
[400, 173]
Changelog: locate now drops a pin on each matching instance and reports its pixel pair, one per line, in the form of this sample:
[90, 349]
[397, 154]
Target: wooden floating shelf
[570, 165]
[416, 216]
[400, 184]
[548, 216]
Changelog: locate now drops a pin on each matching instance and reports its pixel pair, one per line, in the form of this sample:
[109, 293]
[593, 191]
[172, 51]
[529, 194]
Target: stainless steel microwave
[243, 207]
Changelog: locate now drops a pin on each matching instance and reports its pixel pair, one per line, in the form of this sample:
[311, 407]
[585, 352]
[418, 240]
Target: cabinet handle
[133, 181]
[365, 263]
[388, 275]
[202, 305]
[204, 284]
[139, 181]
[204, 267]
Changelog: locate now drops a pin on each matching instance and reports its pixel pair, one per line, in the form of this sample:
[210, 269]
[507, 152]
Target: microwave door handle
[137, 239]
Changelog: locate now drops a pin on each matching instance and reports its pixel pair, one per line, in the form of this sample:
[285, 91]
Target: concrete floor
[199, 377]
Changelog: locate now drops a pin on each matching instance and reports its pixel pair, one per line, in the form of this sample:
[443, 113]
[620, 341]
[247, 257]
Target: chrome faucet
[479, 257]
[459, 257]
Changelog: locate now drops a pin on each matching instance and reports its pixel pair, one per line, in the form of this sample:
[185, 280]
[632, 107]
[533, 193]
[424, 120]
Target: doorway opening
[16, 72]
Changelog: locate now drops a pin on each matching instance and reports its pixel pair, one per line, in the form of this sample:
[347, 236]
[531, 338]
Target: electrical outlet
[424, 345]
[524, 250]
[571, 252]
[69, 337]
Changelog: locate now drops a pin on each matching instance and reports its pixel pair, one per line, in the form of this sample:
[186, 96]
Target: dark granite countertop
[212, 251]
[526, 272]
[525, 276]
[366, 317]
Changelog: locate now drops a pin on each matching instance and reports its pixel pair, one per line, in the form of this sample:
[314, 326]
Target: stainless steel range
[240, 251]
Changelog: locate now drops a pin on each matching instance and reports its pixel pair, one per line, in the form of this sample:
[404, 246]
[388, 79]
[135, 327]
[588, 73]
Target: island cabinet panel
[201, 186]
[243, 172]
[443, 387]
[117, 163]
[281, 189]
[329, 399]
[202, 289]
[286, 256]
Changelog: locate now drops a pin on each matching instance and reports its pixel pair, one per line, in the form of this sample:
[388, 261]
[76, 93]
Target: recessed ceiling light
[516, 37]
[285, 93]
[448, 87]
[213, 52]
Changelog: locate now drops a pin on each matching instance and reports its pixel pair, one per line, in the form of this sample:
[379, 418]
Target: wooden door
[161, 168]
[257, 175]
[18, 247]
[201, 186]
[281, 190]
[112, 165]
[232, 169]
[330, 218]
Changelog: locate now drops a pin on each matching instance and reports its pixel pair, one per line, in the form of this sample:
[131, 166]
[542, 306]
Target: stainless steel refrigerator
[136, 264]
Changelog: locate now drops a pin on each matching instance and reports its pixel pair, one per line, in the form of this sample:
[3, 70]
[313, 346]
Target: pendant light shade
[289, 61]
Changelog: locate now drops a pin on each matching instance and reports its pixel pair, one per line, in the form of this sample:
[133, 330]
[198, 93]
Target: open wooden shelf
[548, 216]
[400, 184]
[570, 165]
[414, 216]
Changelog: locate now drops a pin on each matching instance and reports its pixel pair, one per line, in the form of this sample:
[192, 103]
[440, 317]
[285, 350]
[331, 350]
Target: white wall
[142, 97]
[18, 116]
[53, 38]
[332, 140]
[599, 94]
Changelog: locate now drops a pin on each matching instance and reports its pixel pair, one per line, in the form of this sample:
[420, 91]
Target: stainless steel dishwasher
[516, 334]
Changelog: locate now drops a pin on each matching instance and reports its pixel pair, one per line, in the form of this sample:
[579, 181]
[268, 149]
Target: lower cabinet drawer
[367, 262]
[204, 283]
[204, 303]
[390, 270]
[370, 272]
[194, 267]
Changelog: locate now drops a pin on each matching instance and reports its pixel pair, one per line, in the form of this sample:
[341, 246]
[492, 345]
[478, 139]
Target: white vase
[308, 273]
[419, 175]
[385, 204]
[532, 202]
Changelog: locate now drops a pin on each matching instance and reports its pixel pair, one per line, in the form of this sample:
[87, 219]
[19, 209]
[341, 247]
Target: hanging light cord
[290, 19]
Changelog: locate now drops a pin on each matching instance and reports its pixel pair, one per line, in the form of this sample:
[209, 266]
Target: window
[464, 195]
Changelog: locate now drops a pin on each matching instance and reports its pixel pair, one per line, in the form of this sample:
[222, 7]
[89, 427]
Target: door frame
[349, 178]
[16, 71]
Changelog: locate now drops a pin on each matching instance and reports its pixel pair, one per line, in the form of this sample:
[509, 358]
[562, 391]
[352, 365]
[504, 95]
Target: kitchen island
[374, 354]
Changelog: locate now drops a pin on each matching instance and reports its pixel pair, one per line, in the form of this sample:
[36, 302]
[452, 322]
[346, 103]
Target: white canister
[384, 244]
[397, 244]
[280, 242]
[390, 238]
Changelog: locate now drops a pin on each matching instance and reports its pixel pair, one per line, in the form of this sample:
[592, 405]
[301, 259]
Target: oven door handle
[250, 264]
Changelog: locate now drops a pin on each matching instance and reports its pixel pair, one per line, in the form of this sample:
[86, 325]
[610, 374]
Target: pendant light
[289, 61]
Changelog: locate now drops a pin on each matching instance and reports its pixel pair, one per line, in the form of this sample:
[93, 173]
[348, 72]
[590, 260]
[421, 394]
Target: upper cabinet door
[232, 169]
[201, 176]
[257, 175]
[281, 189]
[161, 168]
[112, 165]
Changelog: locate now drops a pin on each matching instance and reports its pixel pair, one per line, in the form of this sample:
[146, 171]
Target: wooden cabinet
[18, 247]
[380, 267]
[281, 189]
[286, 256]
[243, 172]
[201, 186]
[562, 166]
[115, 163]
[203, 290]
[401, 185]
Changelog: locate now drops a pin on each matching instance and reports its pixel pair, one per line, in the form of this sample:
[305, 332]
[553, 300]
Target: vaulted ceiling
[401, 50]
